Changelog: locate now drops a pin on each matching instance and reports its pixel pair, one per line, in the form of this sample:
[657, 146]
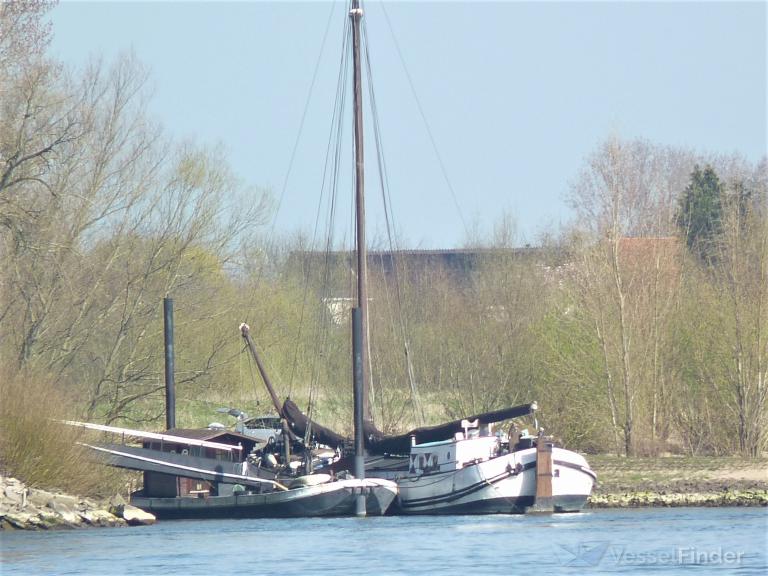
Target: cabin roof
[228, 437]
[208, 434]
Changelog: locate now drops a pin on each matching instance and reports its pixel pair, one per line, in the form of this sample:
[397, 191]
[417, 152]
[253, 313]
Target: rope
[293, 153]
[271, 238]
[426, 123]
[389, 220]
[330, 185]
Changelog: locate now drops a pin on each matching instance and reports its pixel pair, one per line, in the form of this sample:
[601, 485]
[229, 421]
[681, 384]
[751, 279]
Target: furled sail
[298, 421]
[402, 444]
[376, 442]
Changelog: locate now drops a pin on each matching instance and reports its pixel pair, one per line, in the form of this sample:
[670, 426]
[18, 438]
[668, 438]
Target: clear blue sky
[516, 94]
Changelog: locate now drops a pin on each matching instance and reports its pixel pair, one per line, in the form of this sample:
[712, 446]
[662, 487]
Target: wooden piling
[359, 400]
[544, 501]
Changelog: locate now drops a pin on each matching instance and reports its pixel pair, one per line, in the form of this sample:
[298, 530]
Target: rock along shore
[24, 508]
[679, 481]
[746, 497]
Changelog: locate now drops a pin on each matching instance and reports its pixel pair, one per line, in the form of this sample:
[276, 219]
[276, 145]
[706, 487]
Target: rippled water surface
[669, 541]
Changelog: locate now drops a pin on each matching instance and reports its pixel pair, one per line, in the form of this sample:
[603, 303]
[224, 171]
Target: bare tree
[742, 277]
[622, 280]
[101, 216]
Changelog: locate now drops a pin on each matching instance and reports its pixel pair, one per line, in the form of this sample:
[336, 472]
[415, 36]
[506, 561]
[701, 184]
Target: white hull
[502, 484]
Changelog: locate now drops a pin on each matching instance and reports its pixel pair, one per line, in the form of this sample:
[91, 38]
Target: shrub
[37, 448]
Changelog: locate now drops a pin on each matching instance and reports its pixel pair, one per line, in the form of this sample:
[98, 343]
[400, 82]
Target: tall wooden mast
[356, 14]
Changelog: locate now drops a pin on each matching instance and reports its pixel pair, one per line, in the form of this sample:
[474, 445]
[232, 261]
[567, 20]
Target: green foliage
[570, 382]
[699, 407]
[700, 216]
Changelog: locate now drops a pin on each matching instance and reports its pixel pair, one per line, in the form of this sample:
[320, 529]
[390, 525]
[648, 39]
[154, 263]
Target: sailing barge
[213, 474]
[461, 467]
[464, 467]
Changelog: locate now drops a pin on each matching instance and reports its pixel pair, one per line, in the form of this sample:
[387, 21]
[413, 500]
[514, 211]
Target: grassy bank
[679, 481]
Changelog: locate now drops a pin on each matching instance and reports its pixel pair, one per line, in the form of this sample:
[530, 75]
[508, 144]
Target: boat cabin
[202, 445]
[467, 447]
[202, 449]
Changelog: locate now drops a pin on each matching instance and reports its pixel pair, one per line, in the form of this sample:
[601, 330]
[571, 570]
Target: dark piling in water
[170, 384]
[357, 383]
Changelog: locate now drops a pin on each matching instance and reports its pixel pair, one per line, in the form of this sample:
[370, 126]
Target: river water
[653, 540]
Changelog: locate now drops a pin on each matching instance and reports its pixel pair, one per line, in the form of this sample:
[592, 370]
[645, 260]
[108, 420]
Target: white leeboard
[153, 435]
[189, 471]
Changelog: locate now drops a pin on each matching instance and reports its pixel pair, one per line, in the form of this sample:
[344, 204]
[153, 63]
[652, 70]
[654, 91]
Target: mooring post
[544, 501]
[357, 384]
[170, 384]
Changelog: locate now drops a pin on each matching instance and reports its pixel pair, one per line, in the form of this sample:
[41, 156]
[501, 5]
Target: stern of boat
[379, 495]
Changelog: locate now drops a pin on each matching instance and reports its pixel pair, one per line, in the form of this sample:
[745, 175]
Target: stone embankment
[639, 499]
[679, 481]
[24, 508]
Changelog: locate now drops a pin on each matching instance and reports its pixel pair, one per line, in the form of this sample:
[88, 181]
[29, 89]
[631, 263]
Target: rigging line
[335, 172]
[295, 148]
[306, 108]
[379, 153]
[384, 185]
[388, 217]
[426, 123]
[285, 185]
[321, 328]
[338, 105]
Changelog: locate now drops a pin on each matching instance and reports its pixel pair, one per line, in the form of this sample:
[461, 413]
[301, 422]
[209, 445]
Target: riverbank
[679, 481]
[25, 508]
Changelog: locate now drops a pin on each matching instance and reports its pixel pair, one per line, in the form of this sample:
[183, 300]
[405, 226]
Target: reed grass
[37, 448]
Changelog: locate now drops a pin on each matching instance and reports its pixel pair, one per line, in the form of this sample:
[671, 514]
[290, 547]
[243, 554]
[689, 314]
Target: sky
[486, 110]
